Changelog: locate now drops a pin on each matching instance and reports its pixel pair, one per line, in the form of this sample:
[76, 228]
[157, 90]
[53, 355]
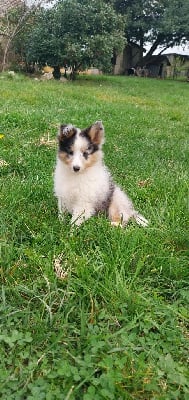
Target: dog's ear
[66, 131]
[96, 132]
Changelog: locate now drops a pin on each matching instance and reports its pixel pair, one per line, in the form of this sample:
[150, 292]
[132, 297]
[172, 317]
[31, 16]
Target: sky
[29, 2]
[182, 50]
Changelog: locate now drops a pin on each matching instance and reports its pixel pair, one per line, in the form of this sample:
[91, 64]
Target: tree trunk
[56, 72]
[141, 48]
[4, 62]
[74, 73]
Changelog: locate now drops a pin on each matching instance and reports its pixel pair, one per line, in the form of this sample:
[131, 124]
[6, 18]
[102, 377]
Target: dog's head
[80, 148]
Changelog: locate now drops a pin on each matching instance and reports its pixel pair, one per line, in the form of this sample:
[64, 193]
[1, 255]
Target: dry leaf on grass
[60, 272]
[146, 182]
[3, 163]
[46, 141]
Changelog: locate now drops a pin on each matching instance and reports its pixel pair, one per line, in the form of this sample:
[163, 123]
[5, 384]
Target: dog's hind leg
[121, 210]
[114, 215]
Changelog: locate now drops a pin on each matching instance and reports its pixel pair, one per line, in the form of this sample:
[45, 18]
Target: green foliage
[117, 326]
[176, 17]
[76, 34]
[161, 23]
[10, 19]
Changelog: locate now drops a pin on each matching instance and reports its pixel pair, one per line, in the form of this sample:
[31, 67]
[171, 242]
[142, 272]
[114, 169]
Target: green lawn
[116, 327]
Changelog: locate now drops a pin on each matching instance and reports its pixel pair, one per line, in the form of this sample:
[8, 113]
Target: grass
[116, 326]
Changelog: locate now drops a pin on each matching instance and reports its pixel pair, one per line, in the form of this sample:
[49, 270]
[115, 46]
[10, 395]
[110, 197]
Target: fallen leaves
[145, 183]
[46, 141]
[60, 272]
[3, 163]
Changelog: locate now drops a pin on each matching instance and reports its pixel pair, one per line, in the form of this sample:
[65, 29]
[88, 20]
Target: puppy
[82, 183]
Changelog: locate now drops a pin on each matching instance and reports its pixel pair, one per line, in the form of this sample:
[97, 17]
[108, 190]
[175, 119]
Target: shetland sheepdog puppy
[82, 183]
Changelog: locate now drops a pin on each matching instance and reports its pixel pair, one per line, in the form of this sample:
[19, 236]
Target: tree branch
[154, 46]
[165, 47]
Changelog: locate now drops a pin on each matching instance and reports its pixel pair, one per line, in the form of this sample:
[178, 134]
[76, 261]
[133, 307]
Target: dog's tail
[140, 219]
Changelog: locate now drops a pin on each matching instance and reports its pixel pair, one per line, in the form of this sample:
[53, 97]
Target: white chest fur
[78, 189]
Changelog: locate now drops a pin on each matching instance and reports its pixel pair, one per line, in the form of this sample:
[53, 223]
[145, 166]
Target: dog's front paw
[77, 220]
[81, 216]
[61, 216]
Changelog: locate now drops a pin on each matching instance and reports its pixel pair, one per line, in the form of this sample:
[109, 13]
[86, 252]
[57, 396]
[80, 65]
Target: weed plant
[116, 325]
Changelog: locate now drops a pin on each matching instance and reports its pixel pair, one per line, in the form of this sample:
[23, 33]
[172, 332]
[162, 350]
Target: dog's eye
[85, 154]
[70, 152]
[89, 148]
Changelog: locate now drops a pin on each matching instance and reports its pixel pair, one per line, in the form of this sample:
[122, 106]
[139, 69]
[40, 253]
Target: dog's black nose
[76, 168]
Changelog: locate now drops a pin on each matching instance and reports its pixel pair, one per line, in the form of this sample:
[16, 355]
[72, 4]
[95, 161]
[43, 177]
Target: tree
[159, 22]
[13, 21]
[76, 34]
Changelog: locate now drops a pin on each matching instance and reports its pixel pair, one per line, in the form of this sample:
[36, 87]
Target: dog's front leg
[80, 215]
[61, 207]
